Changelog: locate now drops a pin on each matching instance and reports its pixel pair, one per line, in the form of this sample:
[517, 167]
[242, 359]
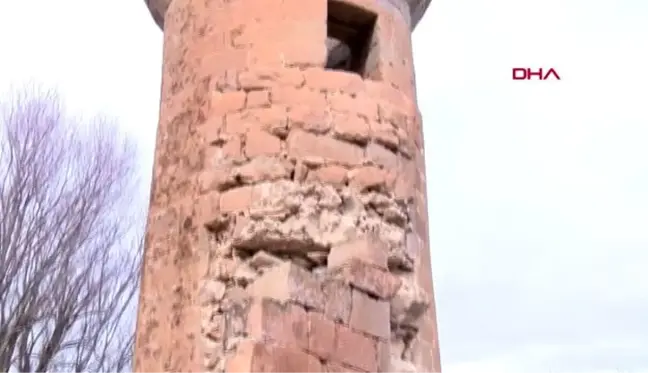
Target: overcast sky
[538, 190]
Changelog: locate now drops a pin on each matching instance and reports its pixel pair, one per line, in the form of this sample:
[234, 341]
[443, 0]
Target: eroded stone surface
[369, 249]
[409, 304]
[290, 283]
[379, 283]
[370, 316]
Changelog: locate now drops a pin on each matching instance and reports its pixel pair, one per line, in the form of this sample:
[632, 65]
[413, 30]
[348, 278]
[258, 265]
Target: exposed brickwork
[287, 230]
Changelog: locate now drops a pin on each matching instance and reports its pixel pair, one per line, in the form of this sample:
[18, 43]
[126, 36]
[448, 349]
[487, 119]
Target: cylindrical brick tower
[287, 229]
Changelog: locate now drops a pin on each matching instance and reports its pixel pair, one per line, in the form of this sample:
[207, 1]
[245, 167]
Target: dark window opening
[350, 32]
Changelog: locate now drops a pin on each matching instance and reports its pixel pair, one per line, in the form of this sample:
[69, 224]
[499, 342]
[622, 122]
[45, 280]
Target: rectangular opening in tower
[350, 32]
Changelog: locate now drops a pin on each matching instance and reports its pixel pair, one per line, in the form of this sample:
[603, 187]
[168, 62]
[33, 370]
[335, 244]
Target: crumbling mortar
[347, 201]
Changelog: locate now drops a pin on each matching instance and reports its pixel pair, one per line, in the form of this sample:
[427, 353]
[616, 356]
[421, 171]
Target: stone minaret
[287, 230]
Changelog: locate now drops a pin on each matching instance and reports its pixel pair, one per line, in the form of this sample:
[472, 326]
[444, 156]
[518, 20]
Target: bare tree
[69, 256]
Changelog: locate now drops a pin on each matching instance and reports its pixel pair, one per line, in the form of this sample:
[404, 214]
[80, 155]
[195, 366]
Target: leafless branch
[69, 255]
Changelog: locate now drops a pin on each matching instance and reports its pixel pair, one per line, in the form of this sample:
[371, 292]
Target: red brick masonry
[288, 224]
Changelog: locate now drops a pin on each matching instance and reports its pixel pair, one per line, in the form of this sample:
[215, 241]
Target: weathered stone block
[257, 99]
[260, 169]
[261, 261]
[370, 316]
[213, 326]
[333, 81]
[211, 292]
[234, 200]
[293, 97]
[409, 304]
[321, 335]
[355, 349]
[252, 356]
[338, 300]
[322, 149]
[368, 249]
[385, 134]
[351, 128]
[334, 175]
[208, 209]
[235, 312]
[227, 102]
[356, 105]
[381, 156]
[236, 298]
[259, 142]
[244, 275]
[309, 119]
[290, 283]
[384, 356]
[241, 359]
[265, 77]
[379, 283]
[270, 321]
[368, 177]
